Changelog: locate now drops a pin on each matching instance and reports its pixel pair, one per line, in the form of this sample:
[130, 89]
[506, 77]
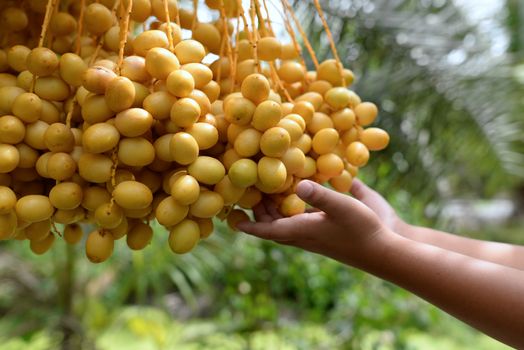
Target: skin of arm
[499, 253]
[486, 295]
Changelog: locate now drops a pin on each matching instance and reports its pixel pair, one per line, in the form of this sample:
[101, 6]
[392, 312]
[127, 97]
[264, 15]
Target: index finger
[285, 229]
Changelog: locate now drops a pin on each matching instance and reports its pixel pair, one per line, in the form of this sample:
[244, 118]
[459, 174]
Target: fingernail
[304, 189]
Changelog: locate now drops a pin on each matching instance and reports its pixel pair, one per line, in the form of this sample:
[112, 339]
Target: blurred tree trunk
[520, 28]
[515, 24]
[69, 325]
[519, 201]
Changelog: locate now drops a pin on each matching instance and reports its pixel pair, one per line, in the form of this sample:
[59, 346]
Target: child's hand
[378, 204]
[460, 276]
[343, 229]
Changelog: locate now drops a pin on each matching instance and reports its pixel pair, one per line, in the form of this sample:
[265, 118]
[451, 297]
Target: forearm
[487, 296]
[499, 253]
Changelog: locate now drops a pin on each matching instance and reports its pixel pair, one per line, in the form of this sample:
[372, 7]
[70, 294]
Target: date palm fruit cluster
[110, 117]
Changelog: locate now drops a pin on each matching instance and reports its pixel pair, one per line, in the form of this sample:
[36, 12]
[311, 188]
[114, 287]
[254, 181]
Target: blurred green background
[449, 79]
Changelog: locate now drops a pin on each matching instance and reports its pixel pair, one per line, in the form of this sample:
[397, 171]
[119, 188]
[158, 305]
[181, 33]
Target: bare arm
[488, 296]
[485, 295]
[499, 253]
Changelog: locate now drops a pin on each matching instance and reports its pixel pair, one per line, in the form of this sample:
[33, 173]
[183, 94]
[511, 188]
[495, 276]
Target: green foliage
[127, 277]
[146, 328]
[38, 341]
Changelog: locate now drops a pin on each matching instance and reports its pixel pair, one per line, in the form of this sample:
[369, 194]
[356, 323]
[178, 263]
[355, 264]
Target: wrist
[386, 245]
[370, 255]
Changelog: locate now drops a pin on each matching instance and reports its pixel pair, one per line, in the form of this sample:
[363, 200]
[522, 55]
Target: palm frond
[449, 100]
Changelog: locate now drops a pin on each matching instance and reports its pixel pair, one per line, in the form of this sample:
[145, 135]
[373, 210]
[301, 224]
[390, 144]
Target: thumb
[320, 197]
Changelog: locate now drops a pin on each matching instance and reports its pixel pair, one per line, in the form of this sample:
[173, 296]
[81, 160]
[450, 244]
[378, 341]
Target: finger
[264, 230]
[286, 229]
[261, 214]
[272, 209]
[366, 194]
[359, 189]
[330, 202]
